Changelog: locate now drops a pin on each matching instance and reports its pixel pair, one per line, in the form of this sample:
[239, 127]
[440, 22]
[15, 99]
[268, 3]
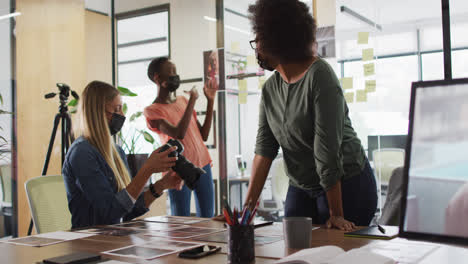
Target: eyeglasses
[253, 44]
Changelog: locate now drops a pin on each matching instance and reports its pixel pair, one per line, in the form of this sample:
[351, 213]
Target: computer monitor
[384, 141]
[435, 198]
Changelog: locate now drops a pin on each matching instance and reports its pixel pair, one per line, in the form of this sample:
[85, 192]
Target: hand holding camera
[161, 161]
[184, 168]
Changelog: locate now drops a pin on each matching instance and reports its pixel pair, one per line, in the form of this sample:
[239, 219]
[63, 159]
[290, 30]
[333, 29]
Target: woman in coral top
[172, 116]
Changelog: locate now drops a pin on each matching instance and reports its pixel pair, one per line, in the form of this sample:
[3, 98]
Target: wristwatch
[153, 191]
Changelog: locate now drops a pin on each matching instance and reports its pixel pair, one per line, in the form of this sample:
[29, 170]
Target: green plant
[129, 141]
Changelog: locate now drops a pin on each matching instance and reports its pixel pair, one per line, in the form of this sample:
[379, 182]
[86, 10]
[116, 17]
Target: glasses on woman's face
[253, 44]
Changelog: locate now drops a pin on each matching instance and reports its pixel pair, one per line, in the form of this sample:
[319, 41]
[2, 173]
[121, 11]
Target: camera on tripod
[64, 94]
[186, 170]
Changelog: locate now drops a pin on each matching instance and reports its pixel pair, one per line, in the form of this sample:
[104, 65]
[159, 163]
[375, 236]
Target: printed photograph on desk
[153, 226]
[46, 239]
[152, 250]
[172, 234]
[34, 241]
[175, 220]
[110, 231]
[139, 252]
[222, 237]
[200, 230]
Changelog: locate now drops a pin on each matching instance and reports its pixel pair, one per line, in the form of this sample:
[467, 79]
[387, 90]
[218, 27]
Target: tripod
[67, 136]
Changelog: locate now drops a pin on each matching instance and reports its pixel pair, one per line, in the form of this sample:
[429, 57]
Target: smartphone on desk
[199, 252]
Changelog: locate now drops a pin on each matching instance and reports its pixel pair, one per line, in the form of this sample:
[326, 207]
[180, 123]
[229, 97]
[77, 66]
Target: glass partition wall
[7, 193]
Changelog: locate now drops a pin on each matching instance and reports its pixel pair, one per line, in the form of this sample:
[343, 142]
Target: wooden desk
[268, 253]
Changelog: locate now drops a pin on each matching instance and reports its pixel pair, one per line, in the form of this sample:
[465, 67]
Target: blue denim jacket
[91, 188]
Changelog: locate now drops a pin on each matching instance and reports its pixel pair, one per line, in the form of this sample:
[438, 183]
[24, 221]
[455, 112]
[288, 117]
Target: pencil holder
[241, 244]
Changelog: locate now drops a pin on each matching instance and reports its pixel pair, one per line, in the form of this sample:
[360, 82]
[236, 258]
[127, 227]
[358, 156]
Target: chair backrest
[391, 210]
[48, 203]
[5, 172]
[386, 160]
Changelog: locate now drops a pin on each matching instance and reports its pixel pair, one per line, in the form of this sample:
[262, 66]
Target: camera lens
[184, 168]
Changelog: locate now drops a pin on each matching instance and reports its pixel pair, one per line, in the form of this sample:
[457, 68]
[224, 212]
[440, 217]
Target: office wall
[57, 41]
[98, 47]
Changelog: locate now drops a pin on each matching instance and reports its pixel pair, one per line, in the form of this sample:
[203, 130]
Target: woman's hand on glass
[160, 161]
[210, 88]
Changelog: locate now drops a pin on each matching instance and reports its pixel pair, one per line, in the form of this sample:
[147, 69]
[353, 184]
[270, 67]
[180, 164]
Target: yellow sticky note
[369, 69]
[361, 96]
[242, 97]
[251, 60]
[370, 86]
[235, 47]
[261, 82]
[349, 97]
[363, 37]
[242, 85]
[367, 54]
[347, 82]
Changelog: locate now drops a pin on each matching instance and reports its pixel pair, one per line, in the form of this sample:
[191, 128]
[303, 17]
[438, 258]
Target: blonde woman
[98, 185]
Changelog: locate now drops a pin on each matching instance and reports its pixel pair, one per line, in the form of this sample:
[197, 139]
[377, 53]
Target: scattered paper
[110, 231]
[370, 86]
[172, 234]
[347, 82]
[367, 54]
[242, 84]
[363, 37]
[175, 220]
[402, 251]
[64, 235]
[151, 226]
[349, 97]
[361, 96]
[369, 69]
[47, 238]
[242, 97]
[34, 241]
[222, 237]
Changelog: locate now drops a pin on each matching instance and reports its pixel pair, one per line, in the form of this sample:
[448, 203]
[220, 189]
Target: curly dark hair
[285, 28]
[155, 66]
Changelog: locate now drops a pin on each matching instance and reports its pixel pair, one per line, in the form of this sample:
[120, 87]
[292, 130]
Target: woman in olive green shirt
[303, 111]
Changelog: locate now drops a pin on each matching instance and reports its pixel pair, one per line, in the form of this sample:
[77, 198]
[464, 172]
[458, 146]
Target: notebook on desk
[375, 233]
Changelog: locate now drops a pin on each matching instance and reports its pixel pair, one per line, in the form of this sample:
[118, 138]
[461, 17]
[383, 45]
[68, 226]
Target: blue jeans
[204, 197]
[359, 196]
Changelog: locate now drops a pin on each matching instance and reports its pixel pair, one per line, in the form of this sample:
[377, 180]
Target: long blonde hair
[95, 128]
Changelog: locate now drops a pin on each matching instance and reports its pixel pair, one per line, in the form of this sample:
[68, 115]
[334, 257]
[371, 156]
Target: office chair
[48, 203]
[385, 161]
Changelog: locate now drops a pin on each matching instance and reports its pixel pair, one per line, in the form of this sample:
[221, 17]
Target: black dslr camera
[186, 170]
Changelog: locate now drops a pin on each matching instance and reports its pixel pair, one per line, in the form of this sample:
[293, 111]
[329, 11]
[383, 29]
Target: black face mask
[173, 82]
[262, 63]
[116, 123]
